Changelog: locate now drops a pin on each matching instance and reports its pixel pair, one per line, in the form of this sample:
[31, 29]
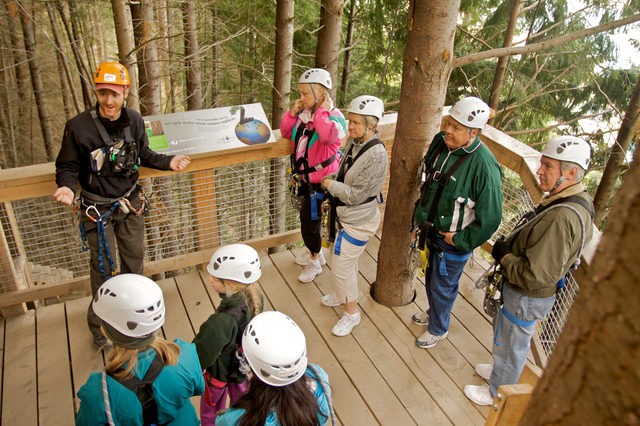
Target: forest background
[193, 54]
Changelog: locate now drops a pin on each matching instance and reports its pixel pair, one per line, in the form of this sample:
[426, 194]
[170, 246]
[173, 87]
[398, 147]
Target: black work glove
[500, 248]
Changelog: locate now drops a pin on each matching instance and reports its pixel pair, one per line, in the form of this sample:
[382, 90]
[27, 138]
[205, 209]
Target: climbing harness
[142, 388]
[329, 207]
[88, 203]
[118, 156]
[342, 234]
[429, 174]
[491, 283]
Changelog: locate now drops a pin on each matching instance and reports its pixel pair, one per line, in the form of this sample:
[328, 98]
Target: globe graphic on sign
[253, 132]
[249, 130]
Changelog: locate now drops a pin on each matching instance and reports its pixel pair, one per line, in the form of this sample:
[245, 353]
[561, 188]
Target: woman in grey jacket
[359, 180]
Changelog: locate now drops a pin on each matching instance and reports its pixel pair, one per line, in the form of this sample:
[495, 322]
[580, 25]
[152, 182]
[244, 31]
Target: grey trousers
[128, 231]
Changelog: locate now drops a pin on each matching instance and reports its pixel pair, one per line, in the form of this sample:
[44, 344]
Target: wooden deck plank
[55, 394]
[377, 393]
[85, 357]
[350, 408]
[2, 367]
[405, 385]
[195, 298]
[20, 399]
[176, 324]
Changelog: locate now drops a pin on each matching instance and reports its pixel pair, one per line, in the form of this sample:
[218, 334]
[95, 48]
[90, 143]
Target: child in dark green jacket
[233, 271]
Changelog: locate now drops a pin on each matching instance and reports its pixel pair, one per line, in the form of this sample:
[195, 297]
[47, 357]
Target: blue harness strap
[514, 319]
[316, 198]
[102, 238]
[342, 234]
[451, 256]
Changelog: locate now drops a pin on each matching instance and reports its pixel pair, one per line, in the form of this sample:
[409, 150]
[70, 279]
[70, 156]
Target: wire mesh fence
[200, 210]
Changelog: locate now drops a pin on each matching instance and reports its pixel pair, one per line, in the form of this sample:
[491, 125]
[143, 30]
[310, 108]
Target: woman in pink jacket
[316, 129]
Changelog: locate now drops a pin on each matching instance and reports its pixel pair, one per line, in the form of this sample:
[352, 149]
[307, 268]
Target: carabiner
[94, 209]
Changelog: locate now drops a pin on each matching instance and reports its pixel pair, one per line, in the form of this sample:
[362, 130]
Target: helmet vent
[473, 114]
[140, 311]
[131, 325]
[264, 373]
[157, 318]
[565, 145]
[151, 308]
[247, 274]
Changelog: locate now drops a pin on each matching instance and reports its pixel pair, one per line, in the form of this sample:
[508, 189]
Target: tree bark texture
[346, 63]
[280, 104]
[191, 56]
[148, 81]
[125, 49]
[20, 67]
[328, 45]
[63, 70]
[501, 67]
[593, 375]
[86, 80]
[618, 152]
[426, 69]
[51, 150]
[213, 93]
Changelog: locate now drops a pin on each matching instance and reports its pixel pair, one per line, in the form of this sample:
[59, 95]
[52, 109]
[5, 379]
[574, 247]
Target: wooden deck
[377, 374]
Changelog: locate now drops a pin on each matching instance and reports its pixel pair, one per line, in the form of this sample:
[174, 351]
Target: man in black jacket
[101, 150]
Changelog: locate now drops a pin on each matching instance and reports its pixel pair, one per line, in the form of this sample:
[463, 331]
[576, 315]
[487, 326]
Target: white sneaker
[428, 340]
[421, 318]
[303, 260]
[480, 395]
[346, 324]
[484, 371]
[310, 271]
[331, 300]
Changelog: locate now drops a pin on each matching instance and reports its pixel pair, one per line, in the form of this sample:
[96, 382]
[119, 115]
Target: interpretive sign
[207, 130]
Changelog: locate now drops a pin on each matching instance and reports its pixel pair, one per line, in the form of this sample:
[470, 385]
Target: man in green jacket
[460, 207]
[535, 258]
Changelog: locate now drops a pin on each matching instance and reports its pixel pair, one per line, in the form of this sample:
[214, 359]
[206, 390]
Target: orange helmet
[111, 73]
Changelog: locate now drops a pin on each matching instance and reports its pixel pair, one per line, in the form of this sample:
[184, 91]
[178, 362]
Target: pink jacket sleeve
[326, 129]
[287, 124]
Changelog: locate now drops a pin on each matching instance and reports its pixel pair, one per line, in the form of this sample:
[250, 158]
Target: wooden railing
[39, 181]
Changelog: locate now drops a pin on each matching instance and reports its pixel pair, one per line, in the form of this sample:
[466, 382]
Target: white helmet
[316, 75]
[130, 303]
[367, 105]
[569, 148]
[471, 112]
[237, 262]
[275, 348]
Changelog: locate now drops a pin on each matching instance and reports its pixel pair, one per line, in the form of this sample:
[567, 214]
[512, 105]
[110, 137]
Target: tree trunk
[63, 69]
[191, 56]
[426, 69]
[125, 49]
[169, 79]
[244, 51]
[21, 72]
[213, 94]
[51, 150]
[86, 80]
[501, 67]
[7, 117]
[618, 152]
[328, 46]
[149, 86]
[592, 376]
[280, 104]
[344, 83]
[79, 32]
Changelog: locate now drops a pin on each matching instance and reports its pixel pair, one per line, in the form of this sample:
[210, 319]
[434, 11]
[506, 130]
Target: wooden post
[204, 207]
[9, 276]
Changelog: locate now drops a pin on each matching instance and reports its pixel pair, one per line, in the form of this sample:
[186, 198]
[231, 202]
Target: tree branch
[553, 126]
[474, 37]
[543, 45]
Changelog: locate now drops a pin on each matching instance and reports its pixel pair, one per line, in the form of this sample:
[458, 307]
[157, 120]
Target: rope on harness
[100, 221]
[327, 393]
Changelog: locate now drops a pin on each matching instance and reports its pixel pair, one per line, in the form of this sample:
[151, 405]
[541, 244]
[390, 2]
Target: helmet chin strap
[315, 98]
[559, 182]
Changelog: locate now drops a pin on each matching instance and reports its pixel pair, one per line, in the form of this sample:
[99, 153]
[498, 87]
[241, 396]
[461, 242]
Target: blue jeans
[514, 341]
[441, 283]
